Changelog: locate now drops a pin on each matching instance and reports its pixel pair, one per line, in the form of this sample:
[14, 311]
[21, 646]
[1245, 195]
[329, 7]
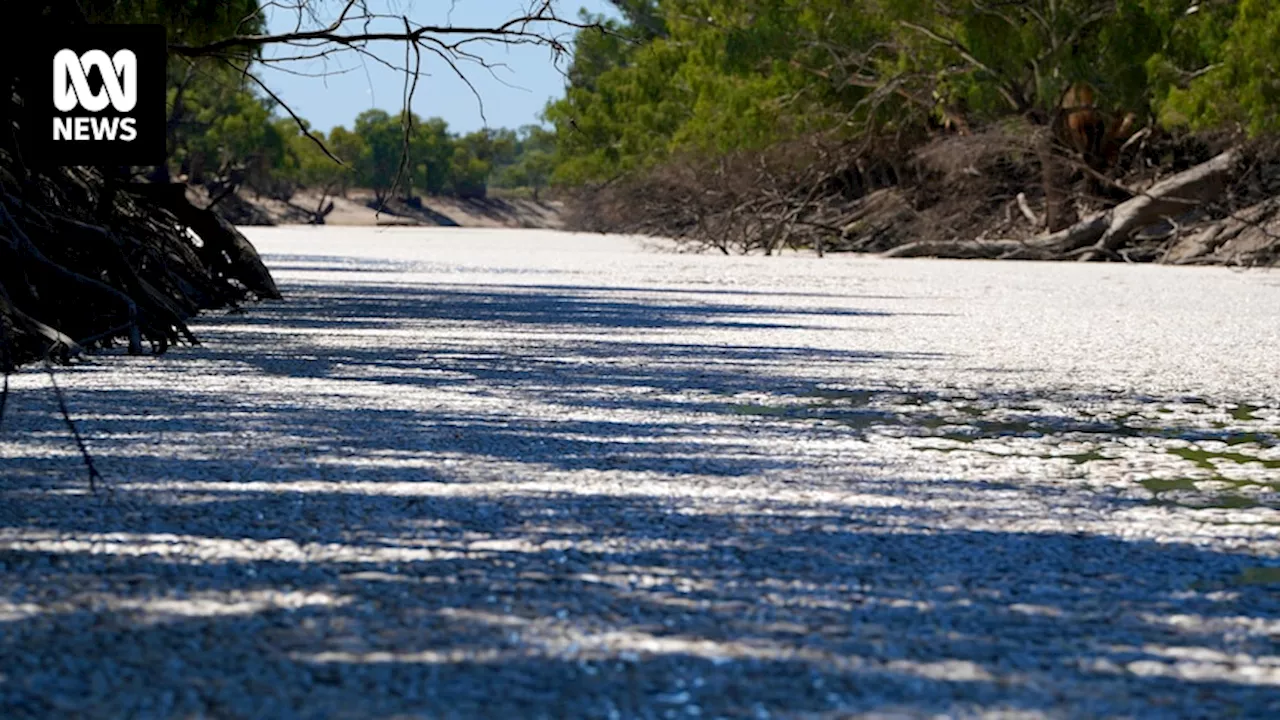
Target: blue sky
[512, 96]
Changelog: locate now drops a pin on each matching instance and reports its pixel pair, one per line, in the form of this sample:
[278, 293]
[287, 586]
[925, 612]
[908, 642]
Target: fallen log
[1074, 237]
[317, 216]
[1250, 233]
[1172, 196]
[1100, 234]
[957, 249]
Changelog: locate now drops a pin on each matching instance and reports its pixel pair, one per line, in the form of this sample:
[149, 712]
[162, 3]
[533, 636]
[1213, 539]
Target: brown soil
[359, 208]
[974, 196]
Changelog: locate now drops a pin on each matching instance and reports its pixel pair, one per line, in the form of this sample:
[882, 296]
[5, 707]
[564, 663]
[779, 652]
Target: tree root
[87, 260]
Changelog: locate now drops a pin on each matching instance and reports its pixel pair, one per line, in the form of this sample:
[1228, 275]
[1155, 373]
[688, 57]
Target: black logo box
[30, 67]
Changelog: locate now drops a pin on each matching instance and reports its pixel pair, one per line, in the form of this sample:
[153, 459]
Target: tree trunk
[1171, 196]
[1057, 213]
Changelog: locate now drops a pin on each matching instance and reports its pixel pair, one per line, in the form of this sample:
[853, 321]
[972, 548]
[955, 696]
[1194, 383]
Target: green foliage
[718, 75]
[383, 135]
[1028, 53]
[217, 117]
[308, 165]
[186, 21]
[713, 76]
[432, 152]
[468, 173]
[438, 162]
[351, 149]
[221, 123]
[1240, 82]
[533, 163]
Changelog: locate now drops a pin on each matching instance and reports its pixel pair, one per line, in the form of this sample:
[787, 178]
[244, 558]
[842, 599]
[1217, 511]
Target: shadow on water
[414, 588]
[380, 305]
[603, 607]
[309, 263]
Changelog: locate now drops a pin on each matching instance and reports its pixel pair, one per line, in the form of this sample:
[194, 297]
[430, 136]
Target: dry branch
[1103, 233]
[1172, 196]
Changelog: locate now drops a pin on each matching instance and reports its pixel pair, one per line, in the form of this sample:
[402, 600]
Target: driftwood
[1246, 236]
[1026, 210]
[967, 249]
[1103, 233]
[315, 217]
[1172, 196]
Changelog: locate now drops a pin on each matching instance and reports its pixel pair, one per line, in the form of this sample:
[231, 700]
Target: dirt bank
[360, 208]
[1003, 192]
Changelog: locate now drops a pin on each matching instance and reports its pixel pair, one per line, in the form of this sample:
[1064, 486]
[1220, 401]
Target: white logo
[119, 80]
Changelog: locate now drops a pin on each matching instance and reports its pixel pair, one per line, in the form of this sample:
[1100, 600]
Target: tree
[468, 173]
[308, 167]
[351, 150]
[431, 152]
[533, 163]
[385, 140]
[1233, 78]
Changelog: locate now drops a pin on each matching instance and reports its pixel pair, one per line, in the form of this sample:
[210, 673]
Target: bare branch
[302, 124]
[1014, 98]
[515, 29]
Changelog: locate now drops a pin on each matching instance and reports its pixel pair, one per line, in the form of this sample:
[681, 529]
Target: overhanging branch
[1014, 98]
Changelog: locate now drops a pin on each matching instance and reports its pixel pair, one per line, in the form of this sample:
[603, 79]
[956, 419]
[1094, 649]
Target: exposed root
[88, 260]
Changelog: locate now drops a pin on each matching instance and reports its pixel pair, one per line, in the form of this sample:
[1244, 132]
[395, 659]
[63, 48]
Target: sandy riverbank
[359, 208]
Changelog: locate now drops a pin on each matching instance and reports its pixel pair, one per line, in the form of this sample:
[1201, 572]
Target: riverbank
[1181, 200]
[360, 208]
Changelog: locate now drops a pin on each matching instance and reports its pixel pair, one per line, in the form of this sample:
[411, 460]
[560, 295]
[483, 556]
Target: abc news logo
[71, 90]
[104, 101]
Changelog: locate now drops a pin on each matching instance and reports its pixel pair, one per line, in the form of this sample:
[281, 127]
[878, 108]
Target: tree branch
[515, 29]
[302, 124]
[1018, 103]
